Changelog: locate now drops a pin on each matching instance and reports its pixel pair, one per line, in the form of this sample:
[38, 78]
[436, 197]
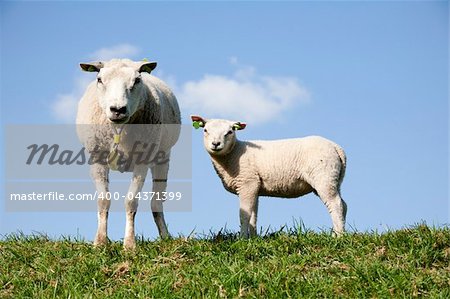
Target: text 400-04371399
[143, 195]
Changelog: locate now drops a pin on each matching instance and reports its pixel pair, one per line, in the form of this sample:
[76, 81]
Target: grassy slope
[410, 262]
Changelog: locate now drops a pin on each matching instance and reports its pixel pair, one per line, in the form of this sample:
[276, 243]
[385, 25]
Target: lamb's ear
[147, 66]
[92, 66]
[197, 121]
[239, 126]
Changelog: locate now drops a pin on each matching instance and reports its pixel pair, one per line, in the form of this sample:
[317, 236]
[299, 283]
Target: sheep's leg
[159, 173]
[131, 204]
[337, 208]
[248, 209]
[100, 174]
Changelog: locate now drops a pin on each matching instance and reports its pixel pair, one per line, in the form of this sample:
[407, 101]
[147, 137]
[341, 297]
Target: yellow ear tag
[113, 159]
[116, 138]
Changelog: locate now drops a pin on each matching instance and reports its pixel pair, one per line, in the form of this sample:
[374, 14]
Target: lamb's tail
[343, 159]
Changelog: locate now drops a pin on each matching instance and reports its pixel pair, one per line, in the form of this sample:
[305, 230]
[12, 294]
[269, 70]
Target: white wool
[147, 100]
[277, 168]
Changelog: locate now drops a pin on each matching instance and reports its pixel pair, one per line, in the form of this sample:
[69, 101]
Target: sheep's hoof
[244, 236]
[129, 244]
[164, 235]
[166, 238]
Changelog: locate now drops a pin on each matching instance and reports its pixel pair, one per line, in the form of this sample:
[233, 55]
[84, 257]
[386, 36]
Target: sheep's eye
[229, 133]
[206, 131]
[99, 80]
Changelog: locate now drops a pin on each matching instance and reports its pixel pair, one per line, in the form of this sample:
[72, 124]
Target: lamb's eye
[206, 131]
[137, 81]
[99, 80]
[229, 133]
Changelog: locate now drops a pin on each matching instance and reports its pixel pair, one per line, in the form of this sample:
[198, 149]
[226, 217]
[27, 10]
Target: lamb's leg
[253, 219]
[100, 174]
[248, 209]
[131, 204]
[159, 173]
[337, 208]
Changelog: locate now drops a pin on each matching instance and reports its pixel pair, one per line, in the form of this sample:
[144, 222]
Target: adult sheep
[122, 107]
[278, 168]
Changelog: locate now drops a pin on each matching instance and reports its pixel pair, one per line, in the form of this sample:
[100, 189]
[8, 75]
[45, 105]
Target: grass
[297, 263]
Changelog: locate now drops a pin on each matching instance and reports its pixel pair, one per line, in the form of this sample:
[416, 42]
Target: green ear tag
[197, 124]
[145, 59]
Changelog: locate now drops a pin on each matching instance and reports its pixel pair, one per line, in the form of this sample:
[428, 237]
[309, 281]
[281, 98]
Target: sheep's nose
[216, 143]
[117, 111]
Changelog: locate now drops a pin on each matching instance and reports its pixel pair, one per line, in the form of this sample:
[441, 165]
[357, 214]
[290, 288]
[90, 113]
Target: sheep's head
[219, 135]
[119, 86]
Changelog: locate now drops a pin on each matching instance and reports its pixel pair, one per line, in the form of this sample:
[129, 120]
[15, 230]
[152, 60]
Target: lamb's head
[120, 89]
[219, 135]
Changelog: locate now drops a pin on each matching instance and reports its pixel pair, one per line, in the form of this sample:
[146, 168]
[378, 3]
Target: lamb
[123, 107]
[278, 168]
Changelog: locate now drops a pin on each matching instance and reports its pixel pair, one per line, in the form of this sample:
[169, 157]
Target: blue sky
[372, 76]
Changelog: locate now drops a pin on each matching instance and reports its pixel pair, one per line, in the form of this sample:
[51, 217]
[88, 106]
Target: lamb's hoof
[337, 234]
[129, 244]
[100, 240]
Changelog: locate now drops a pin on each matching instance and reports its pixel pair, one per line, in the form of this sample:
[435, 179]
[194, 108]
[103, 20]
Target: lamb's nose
[216, 143]
[117, 111]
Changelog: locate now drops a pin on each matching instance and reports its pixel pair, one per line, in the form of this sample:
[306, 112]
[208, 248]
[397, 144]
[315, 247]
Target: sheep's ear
[147, 66]
[197, 121]
[92, 66]
[239, 126]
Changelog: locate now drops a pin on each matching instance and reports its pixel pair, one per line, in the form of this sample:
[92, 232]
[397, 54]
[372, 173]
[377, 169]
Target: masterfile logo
[49, 169]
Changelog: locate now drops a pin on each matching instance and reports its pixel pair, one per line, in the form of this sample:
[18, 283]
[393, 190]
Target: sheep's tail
[343, 159]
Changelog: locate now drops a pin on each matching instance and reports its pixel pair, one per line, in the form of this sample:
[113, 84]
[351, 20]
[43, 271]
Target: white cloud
[246, 95]
[118, 51]
[64, 108]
